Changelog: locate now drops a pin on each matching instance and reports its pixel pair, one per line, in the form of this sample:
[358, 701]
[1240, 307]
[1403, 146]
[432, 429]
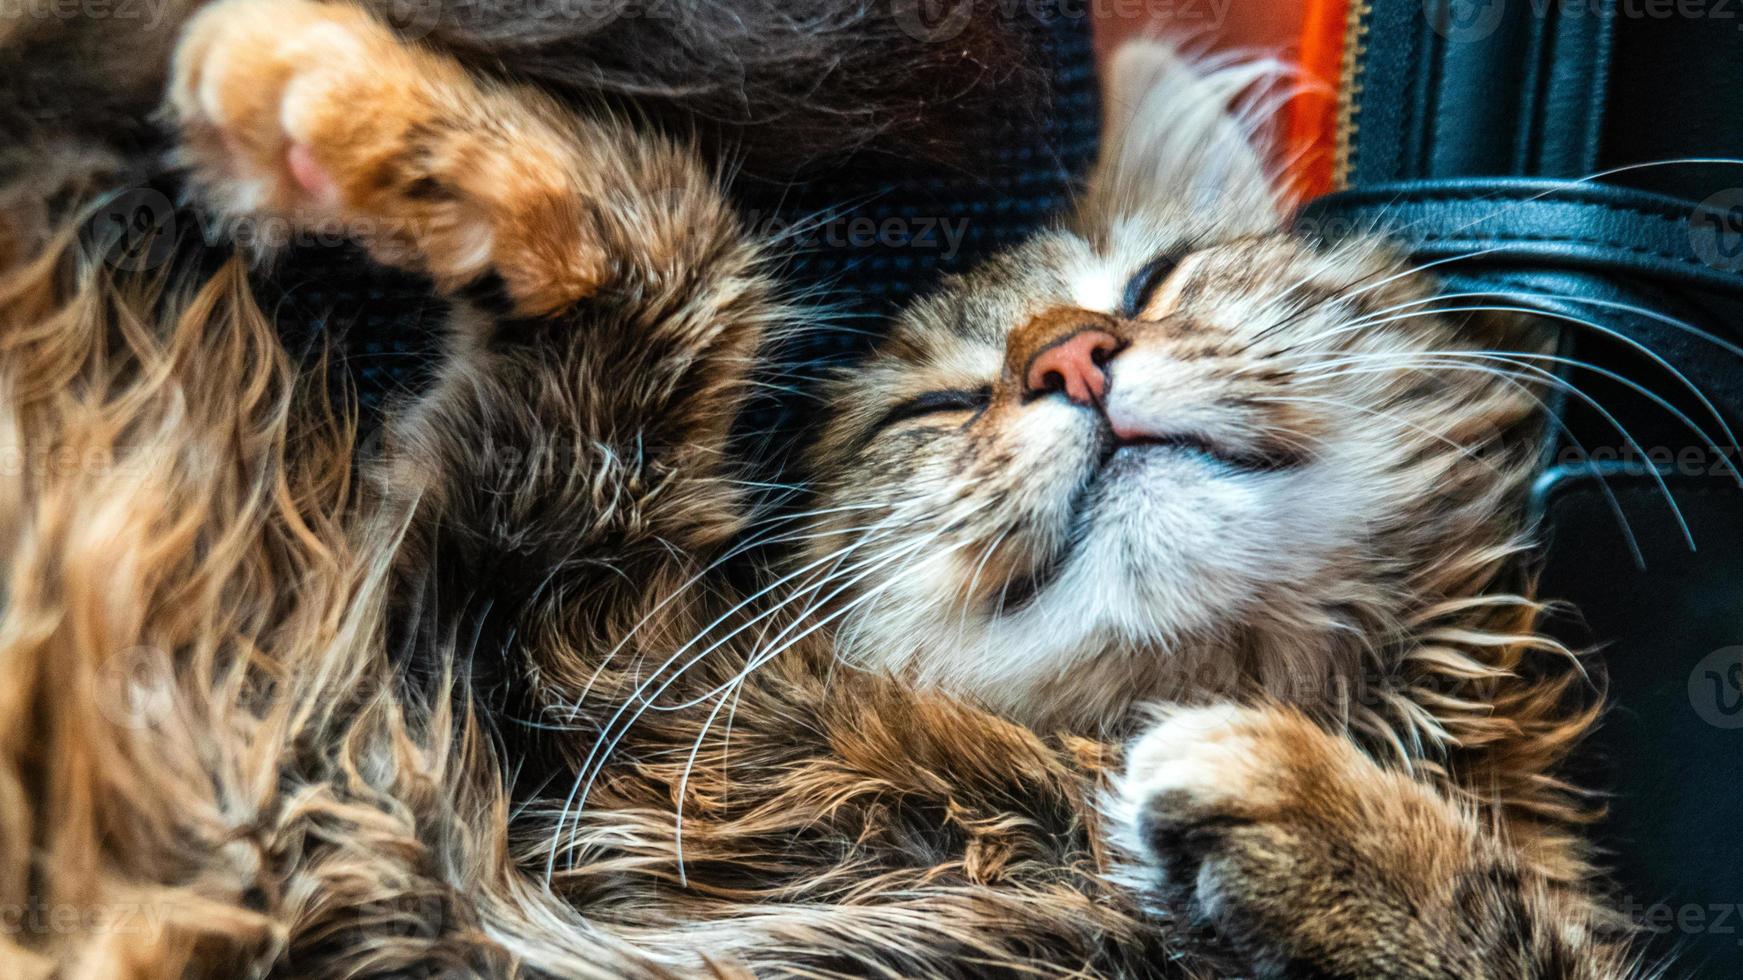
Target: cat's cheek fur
[947, 570]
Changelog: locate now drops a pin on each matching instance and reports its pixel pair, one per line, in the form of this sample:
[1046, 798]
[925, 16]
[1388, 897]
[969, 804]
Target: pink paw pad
[310, 175]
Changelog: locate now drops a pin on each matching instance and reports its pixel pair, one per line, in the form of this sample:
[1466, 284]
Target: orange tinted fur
[302, 807]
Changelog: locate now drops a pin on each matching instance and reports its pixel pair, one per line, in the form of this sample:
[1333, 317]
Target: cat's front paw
[254, 89]
[308, 115]
[1293, 847]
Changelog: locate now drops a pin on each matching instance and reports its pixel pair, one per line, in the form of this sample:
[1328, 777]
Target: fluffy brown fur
[780, 87]
[281, 767]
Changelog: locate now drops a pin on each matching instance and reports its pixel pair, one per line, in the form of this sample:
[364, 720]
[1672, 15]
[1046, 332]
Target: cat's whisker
[754, 661]
[805, 533]
[1348, 292]
[845, 639]
[726, 734]
[1550, 378]
[1502, 206]
[1454, 360]
[974, 580]
[806, 224]
[1617, 335]
[874, 533]
[1632, 385]
[1465, 451]
[768, 617]
[870, 566]
[784, 389]
[753, 541]
[795, 488]
[1380, 232]
[757, 659]
[595, 768]
[1306, 281]
[763, 657]
[602, 747]
[1554, 419]
[684, 788]
[849, 634]
[812, 589]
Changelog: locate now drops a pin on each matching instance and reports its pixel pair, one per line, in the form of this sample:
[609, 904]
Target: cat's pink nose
[1075, 365]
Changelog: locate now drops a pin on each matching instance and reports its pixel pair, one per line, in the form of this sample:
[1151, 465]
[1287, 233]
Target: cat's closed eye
[1143, 285]
[934, 403]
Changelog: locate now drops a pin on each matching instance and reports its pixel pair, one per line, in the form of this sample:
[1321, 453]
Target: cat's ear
[1183, 135]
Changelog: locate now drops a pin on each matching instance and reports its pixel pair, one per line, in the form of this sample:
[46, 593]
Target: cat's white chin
[1164, 462]
[1173, 548]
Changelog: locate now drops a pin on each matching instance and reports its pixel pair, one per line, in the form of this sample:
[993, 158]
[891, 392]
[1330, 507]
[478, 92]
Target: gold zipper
[1349, 87]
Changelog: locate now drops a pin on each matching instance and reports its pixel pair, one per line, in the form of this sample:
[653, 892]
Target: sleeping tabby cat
[1169, 453]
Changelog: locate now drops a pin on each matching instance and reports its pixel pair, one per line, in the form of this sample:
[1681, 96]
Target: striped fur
[511, 703]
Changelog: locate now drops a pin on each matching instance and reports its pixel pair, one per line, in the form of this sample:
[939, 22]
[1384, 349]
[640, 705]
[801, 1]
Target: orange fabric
[1310, 134]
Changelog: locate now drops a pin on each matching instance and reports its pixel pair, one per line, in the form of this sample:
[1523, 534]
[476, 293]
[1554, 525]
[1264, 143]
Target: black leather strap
[1444, 90]
[1546, 224]
[1456, 87]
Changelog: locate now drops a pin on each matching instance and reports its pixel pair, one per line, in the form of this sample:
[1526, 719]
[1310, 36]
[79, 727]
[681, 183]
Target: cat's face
[1168, 448]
